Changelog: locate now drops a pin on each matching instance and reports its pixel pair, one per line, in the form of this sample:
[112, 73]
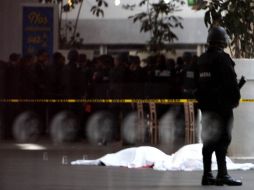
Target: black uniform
[217, 95]
[189, 80]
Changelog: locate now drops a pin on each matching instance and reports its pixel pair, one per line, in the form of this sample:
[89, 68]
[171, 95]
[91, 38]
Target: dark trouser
[216, 137]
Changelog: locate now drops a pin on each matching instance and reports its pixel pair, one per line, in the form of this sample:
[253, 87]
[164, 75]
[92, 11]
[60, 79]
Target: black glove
[241, 82]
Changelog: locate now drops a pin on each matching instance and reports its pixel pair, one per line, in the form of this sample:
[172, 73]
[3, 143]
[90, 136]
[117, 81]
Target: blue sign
[38, 33]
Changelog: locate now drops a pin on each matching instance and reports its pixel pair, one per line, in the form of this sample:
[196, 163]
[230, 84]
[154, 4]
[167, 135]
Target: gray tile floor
[44, 170]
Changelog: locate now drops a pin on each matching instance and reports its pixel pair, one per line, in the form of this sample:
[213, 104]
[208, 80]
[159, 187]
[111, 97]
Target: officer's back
[217, 86]
[190, 76]
[71, 76]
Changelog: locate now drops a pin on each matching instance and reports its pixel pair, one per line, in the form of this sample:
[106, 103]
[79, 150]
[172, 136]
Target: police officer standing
[217, 93]
[190, 76]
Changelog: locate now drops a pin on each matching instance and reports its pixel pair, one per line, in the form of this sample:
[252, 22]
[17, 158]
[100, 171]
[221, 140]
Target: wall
[10, 33]
[116, 12]
[242, 143]
[124, 31]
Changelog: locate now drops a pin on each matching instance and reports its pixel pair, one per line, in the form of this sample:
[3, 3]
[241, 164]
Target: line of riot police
[105, 77]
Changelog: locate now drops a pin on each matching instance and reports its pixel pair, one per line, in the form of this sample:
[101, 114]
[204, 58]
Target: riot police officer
[217, 93]
[71, 77]
[190, 76]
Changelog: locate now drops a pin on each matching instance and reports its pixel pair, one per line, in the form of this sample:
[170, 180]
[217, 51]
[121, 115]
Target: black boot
[208, 179]
[223, 178]
[227, 180]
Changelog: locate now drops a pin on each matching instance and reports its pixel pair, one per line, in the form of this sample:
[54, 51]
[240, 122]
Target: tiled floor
[45, 170]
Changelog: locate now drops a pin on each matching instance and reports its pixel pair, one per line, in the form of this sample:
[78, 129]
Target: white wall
[243, 132]
[245, 67]
[116, 12]
[124, 31]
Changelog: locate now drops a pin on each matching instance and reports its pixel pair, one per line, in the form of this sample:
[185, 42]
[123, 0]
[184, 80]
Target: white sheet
[188, 158]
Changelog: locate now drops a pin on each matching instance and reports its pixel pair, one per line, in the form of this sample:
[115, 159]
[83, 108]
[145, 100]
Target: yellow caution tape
[157, 101]
[247, 100]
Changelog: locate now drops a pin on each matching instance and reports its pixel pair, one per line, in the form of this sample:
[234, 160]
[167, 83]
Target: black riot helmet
[73, 55]
[217, 36]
